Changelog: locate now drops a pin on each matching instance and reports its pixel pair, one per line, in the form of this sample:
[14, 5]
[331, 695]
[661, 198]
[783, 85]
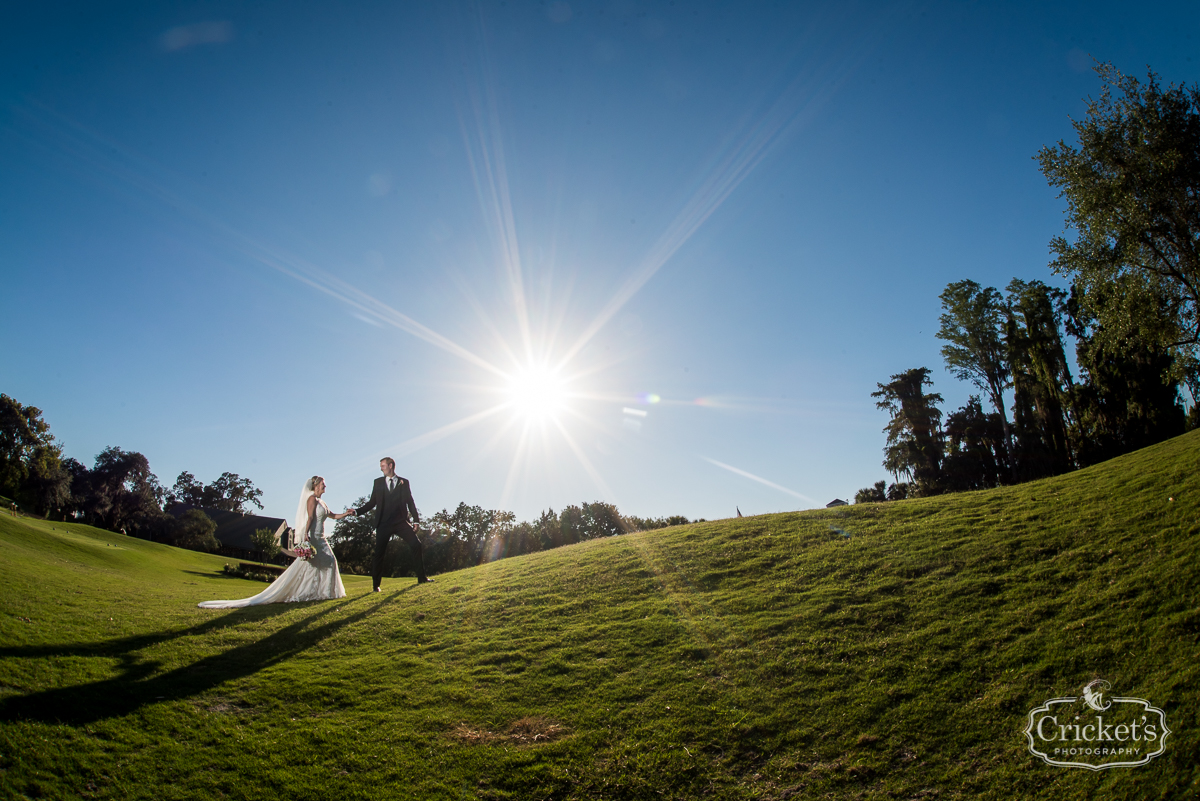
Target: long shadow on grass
[120, 648]
[135, 687]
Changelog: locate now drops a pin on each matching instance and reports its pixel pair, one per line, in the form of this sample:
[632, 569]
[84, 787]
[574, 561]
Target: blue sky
[292, 238]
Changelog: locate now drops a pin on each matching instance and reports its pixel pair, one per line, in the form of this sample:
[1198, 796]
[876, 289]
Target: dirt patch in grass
[224, 706]
[525, 731]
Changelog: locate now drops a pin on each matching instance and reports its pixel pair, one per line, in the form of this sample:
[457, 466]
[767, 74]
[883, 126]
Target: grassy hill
[877, 651]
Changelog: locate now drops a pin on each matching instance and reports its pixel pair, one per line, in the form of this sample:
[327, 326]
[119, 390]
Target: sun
[536, 393]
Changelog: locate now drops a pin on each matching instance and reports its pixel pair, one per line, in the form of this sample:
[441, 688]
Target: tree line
[118, 492]
[472, 535]
[1131, 258]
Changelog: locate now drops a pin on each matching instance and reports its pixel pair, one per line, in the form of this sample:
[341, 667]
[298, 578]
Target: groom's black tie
[391, 484]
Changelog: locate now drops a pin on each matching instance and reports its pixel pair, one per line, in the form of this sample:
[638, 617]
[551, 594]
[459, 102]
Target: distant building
[836, 502]
[235, 529]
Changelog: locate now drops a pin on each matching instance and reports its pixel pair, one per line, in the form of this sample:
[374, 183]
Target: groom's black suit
[391, 518]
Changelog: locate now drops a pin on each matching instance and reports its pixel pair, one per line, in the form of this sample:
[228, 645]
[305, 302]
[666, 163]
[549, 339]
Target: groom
[392, 500]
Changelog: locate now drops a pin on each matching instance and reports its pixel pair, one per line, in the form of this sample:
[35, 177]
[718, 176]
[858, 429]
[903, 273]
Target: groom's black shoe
[425, 581]
[378, 589]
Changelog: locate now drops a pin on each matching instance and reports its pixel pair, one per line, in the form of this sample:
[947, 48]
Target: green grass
[876, 651]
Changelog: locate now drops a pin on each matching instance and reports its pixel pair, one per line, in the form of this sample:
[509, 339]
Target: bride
[315, 579]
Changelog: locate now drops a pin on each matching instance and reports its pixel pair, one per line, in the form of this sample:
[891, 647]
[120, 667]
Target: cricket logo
[1093, 694]
[1095, 731]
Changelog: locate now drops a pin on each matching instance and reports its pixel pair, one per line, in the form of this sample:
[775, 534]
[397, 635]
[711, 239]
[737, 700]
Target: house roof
[234, 529]
[836, 502]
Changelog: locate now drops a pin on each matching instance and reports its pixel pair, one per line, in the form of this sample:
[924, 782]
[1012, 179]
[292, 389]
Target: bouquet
[304, 550]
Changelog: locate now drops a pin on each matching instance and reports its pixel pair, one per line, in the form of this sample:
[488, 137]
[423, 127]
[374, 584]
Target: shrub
[194, 531]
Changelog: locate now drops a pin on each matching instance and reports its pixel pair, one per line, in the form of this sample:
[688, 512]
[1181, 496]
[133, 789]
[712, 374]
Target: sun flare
[536, 393]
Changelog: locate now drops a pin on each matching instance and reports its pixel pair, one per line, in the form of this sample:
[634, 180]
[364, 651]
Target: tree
[571, 525]
[1129, 396]
[975, 449]
[230, 492]
[264, 542]
[873, 494]
[635, 523]
[972, 326]
[187, 490]
[513, 540]
[914, 443]
[466, 532]
[22, 433]
[47, 485]
[79, 489]
[602, 519]
[548, 530]
[1133, 206]
[31, 465]
[1041, 381]
[196, 532]
[123, 493]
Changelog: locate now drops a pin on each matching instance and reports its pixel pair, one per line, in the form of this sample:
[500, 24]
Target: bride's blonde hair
[316, 480]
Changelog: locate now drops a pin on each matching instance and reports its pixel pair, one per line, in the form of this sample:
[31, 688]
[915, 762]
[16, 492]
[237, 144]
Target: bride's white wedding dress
[315, 579]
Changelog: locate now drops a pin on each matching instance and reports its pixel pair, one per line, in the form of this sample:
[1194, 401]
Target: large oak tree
[1132, 187]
